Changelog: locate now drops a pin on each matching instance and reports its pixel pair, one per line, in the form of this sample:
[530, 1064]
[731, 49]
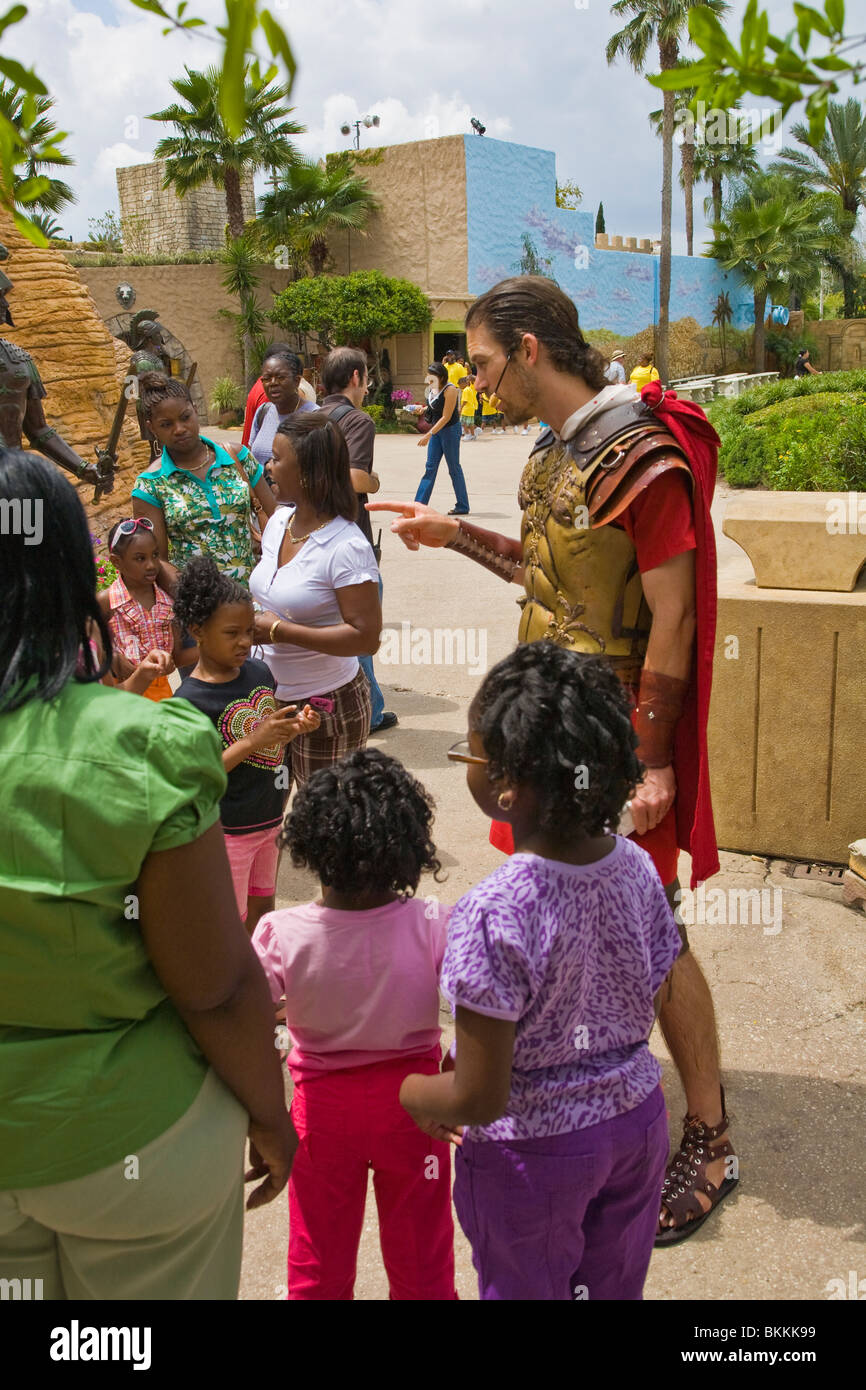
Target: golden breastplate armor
[583, 586]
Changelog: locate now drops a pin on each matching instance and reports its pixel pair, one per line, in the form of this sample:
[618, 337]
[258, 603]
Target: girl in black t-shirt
[236, 692]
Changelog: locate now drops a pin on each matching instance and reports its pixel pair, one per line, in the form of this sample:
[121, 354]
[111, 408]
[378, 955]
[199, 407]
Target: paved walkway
[790, 1002]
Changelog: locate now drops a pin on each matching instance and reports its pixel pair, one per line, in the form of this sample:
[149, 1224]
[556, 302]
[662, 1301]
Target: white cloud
[535, 74]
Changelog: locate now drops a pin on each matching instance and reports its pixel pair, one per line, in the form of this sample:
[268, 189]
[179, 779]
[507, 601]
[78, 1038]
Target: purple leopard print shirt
[573, 953]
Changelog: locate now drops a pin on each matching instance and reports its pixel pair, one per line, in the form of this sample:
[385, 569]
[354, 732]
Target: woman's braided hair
[363, 825]
[559, 722]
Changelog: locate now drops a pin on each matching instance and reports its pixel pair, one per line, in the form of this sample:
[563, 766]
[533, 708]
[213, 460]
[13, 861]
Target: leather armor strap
[628, 469]
[660, 703]
[502, 555]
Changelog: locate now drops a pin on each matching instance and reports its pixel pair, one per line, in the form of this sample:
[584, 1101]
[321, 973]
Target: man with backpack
[344, 380]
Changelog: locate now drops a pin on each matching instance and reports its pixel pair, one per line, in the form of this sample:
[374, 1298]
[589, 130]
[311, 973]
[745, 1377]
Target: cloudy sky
[533, 73]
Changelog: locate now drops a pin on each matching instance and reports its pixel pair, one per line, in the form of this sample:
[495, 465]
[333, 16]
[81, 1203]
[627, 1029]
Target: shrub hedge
[804, 435]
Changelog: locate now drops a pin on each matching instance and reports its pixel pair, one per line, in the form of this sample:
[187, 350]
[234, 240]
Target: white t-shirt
[304, 590]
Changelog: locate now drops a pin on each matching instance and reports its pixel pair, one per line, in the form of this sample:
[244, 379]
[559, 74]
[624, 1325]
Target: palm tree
[240, 279]
[770, 236]
[39, 155]
[682, 118]
[202, 151]
[660, 22]
[837, 165]
[722, 316]
[715, 162]
[309, 203]
[47, 224]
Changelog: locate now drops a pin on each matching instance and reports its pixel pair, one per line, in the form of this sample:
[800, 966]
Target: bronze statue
[21, 397]
[145, 336]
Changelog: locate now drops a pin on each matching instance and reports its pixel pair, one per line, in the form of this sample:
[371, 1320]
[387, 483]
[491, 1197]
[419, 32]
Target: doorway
[448, 342]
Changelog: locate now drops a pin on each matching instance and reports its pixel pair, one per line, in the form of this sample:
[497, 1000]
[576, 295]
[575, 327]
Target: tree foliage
[776, 66]
[347, 309]
[660, 24]
[245, 22]
[310, 203]
[203, 150]
[568, 195]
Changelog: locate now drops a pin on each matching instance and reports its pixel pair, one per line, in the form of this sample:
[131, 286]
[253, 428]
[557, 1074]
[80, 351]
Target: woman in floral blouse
[195, 494]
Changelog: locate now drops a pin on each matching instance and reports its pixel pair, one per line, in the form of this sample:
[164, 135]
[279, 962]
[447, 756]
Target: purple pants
[573, 1216]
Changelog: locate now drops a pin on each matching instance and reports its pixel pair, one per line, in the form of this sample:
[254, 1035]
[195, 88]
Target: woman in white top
[317, 583]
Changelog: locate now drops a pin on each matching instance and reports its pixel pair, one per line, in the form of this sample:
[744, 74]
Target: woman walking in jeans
[443, 438]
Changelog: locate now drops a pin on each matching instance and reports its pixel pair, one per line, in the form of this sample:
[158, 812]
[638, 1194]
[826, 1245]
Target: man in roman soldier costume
[617, 558]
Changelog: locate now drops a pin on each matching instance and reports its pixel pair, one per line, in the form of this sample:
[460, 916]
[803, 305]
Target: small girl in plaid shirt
[141, 615]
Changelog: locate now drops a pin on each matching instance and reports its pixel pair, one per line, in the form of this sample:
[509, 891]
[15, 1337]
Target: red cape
[696, 832]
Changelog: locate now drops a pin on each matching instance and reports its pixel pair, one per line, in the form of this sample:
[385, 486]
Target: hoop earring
[500, 802]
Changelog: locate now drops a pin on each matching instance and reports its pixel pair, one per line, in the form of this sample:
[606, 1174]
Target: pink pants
[349, 1122]
[253, 860]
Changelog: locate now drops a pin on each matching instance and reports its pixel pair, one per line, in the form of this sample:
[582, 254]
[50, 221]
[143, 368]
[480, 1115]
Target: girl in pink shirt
[359, 968]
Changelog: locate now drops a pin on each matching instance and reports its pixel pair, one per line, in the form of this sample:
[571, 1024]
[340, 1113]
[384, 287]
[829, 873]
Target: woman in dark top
[444, 438]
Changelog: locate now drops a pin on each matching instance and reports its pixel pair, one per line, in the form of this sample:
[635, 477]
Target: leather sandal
[687, 1175]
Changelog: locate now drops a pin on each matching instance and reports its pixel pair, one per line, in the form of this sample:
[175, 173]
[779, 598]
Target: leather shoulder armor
[627, 469]
[619, 453]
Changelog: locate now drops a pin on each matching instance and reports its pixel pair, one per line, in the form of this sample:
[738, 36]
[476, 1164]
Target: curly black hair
[559, 721]
[202, 590]
[363, 825]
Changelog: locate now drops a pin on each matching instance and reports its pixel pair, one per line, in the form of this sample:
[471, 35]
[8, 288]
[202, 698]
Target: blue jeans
[446, 442]
[376, 696]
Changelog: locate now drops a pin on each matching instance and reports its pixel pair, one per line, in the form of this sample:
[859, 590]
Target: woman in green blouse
[197, 494]
[136, 1028]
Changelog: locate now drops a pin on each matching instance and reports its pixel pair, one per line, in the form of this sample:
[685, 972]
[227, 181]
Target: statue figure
[21, 397]
[146, 337]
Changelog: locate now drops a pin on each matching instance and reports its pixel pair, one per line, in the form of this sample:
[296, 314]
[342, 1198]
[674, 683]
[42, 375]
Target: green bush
[803, 435]
[375, 412]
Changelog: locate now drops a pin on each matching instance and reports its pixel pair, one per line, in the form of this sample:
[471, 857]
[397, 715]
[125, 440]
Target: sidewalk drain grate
[827, 873]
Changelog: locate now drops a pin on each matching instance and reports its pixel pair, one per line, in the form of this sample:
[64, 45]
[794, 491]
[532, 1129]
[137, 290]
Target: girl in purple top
[552, 964]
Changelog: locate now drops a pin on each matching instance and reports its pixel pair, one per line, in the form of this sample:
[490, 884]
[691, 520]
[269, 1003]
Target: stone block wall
[841, 343]
[187, 299]
[154, 219]
[81, 365]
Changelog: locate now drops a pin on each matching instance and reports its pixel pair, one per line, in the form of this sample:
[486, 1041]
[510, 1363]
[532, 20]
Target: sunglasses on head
[129, 528]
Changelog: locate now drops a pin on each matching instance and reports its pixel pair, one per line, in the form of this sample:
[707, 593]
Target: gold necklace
[199, 466]
[296, 540]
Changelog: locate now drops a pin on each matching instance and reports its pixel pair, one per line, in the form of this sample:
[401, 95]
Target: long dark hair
[534, 304]
[323, 461]
[49, 588]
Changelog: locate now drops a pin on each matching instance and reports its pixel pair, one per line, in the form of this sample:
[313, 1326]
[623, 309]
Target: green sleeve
[184, 775]
[251, 467]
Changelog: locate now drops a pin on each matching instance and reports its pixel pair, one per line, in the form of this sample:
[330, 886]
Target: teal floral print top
[205, 516]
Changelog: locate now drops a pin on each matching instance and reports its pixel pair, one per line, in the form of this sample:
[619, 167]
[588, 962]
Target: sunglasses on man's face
[462, 753]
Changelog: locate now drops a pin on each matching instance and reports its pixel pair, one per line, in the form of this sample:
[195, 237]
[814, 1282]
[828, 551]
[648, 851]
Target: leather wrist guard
[500, 554]
[660, 704]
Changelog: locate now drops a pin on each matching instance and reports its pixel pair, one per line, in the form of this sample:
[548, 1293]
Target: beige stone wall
[841, 343]
[82, 370]
[155, 219]
[187, 298]
[420, 232]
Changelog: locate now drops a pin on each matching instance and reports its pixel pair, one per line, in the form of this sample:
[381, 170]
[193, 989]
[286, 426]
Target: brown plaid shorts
[338, 734]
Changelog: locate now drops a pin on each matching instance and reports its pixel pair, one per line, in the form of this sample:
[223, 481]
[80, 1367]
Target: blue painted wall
[511, 190]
